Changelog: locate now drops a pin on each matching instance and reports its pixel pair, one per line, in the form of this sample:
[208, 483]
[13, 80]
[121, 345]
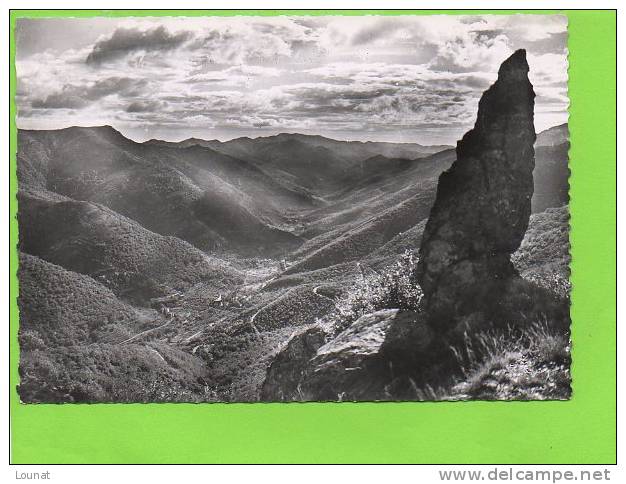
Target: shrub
[393, 288]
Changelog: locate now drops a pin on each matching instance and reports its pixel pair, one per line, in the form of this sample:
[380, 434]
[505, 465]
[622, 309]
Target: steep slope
[368, 212]
[554, 136]
[357, 243]
[62, 308]
[357, 226]
[551, 177]
[551, 169]
[73, 341]
[165, 192]
[135, 263]
[371, 214]
[543, 256]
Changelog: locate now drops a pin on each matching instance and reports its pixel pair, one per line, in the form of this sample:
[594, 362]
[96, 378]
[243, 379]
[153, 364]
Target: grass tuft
[528, 364]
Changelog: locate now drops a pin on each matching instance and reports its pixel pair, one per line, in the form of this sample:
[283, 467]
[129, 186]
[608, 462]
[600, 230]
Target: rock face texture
[351, 366]
[483, 205]
[354, 365]
[284, 375]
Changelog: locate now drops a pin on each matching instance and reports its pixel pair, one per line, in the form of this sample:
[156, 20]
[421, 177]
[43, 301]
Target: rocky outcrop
[351, 366]
[354, 365]
[285, 373]
[483, 205]
[478, 221]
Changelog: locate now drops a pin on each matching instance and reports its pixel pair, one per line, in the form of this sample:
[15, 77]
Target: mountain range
[186, 264]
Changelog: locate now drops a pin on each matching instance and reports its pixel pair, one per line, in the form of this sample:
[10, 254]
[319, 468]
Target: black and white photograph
[293, 208]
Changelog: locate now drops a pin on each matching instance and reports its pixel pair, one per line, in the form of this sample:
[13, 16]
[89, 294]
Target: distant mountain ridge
[361, 149]
[553, 136]
[315, 163]
[203, 257]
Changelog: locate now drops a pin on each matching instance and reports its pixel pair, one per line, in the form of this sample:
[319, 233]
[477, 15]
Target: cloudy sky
[403, 78]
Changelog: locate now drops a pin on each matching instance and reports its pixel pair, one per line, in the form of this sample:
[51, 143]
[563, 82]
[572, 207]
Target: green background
[582, 430]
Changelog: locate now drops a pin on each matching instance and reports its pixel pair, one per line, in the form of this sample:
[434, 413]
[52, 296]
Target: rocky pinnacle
[482, 207]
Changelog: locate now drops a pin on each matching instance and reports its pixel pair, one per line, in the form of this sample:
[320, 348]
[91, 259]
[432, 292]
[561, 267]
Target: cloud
[365, 75]
[241, 75]
[380, 29]
[73, 96]
[144, 106]
[252, 41]
[124, 41]
[67, 99]
[471, 51]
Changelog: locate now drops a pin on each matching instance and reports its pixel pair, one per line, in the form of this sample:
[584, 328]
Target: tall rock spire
[482, 207]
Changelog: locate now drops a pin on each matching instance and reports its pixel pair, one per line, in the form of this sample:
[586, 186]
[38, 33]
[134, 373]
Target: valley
[164, 271]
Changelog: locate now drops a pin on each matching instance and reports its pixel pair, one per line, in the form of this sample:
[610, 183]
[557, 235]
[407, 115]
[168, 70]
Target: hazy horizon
[255, 136]
[403, 79]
